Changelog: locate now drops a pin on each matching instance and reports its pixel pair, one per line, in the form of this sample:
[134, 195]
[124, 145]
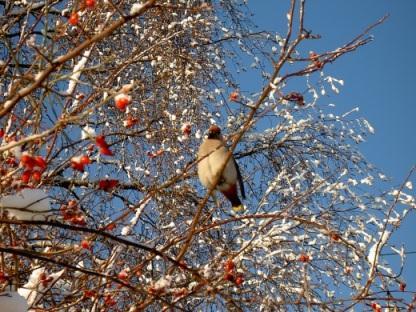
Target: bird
[211, 157]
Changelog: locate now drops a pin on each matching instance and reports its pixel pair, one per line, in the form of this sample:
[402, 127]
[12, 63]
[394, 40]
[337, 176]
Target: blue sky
[379, 79]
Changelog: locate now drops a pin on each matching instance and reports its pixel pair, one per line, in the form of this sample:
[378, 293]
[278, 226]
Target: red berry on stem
[89, 293]
[130, 122]
[85, 244]
[77, 165]
[11, 161]
[304, 258]
[40, 162]
[234, 96]
[27, 161]
[85, 160]
[36, 175]
[122, 100]
[90, 3]
[122, 103]
[26, 176]
[239, 280]
[107, 185]
[73, 18]
[100, 141]
[123, 275]
[229, 265]
[106, 151]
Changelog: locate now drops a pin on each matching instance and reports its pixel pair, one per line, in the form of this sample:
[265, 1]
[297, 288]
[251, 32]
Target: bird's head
[214, 132]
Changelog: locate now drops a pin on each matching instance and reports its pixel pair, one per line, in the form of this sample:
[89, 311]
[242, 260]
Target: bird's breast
[211, 162]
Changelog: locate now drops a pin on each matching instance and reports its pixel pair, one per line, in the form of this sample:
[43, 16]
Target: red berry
[85, 160]
[27, 161]
[100, 141]
[112, 183]
[122, 103]
[376, 307]
[234, 96]
[90, 3]
[229, 265]
[89, 293]
[335, 236]
[11, 161]
[26, 176]
[73, 19]
[36, 175]
[123, 275]
[109, 301]
[239, 280]
[107, 185]
[130, 122]
[106, 151]
[77, 166]
[402, 286]
[1, 133]
[304, 258]
[102, 144]
[40, 162]
[85, 244]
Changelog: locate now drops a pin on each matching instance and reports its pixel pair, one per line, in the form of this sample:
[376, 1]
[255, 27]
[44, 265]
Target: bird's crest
[214, 132]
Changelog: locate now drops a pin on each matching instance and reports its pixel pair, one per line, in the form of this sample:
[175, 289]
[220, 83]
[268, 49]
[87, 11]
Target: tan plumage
[211, 158]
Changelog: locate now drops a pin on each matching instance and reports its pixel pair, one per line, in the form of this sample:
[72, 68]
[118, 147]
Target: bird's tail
[232, 196]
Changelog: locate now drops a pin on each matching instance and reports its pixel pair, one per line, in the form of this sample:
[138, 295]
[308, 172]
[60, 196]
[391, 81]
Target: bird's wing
[240, 180]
